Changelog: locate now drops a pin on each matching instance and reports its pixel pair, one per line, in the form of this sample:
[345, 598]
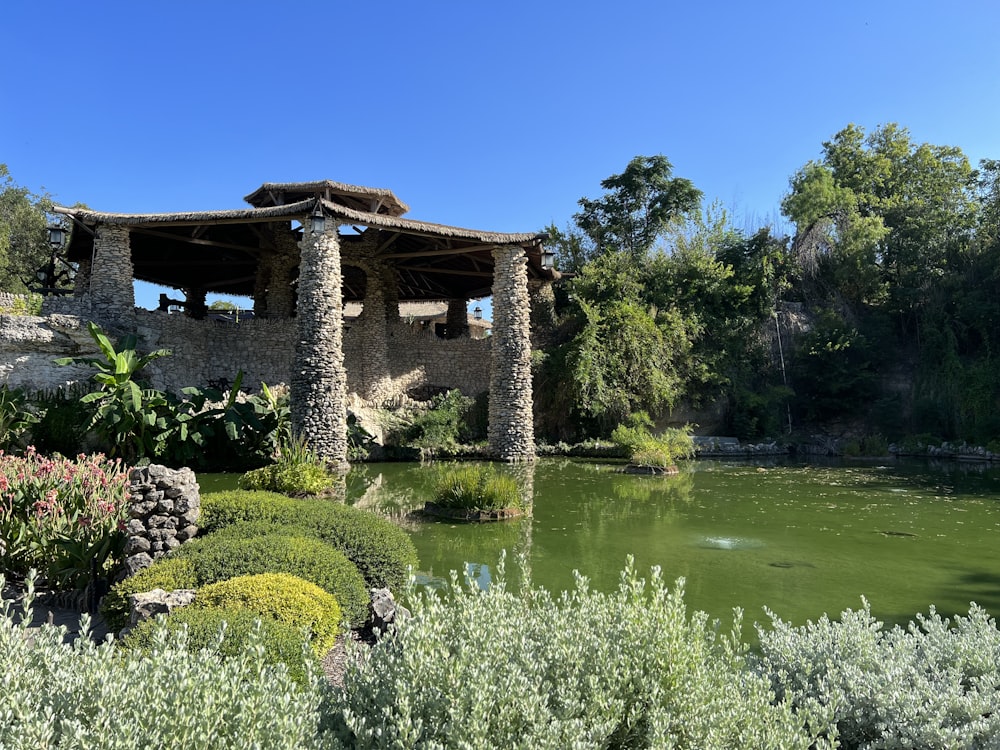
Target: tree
[638, 206]
[24, 245]
[884, 215]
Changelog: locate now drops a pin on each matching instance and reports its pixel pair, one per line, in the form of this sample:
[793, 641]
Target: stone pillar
[111, 288]
[280, 296]
[319, 381]
[511, 432]
[194, 303]
[390, 290]
[457, 322]
[375, 375]
[543, 313]
[81, 282]
[262, 281]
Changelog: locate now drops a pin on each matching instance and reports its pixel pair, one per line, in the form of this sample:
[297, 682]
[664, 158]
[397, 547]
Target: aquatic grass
[477, 487]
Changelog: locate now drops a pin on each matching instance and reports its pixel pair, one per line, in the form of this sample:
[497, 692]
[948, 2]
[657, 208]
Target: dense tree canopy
[893, 274]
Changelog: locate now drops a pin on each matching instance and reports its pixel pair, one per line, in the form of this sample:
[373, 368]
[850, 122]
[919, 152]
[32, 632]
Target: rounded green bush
[220, 557]
[283, 642]
[167, 573]
[282, 597]
[382, 551]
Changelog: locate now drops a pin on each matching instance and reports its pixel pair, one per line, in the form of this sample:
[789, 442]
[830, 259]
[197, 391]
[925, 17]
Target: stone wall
[207, 351]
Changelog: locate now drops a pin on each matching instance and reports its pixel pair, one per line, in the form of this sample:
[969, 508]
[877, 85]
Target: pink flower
[85, 521]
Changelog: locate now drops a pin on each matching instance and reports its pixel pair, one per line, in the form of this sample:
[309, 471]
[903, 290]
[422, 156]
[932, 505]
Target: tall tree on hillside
[884, 215]
[23, 242]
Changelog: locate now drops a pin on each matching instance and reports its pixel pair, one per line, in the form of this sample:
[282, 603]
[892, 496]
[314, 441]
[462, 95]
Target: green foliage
[276, 641]
[24, 245]
[638, 206]
[646, 449]
[282, 597]
[62, 423]
[382, 551]
[833, 371]
[61, 516]
[629, 669]
[623, 360]
[443, 426]
[298, 471]
[477, 487]
[23, 305]
[219, 557]
[15, 419]
[127, 417]
[101, 697]
[931, 685]
[868, 445]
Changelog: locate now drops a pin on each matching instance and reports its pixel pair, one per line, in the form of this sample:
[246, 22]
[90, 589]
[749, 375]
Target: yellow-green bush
[282, 597]
[282, 641]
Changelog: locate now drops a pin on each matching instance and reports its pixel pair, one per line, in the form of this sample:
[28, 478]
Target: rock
[385, 611]
[157, 602]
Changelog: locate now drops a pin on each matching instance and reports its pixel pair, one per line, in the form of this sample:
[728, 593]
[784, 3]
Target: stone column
[262, 281]
[543, 313]
[457, 321]
[280, 296]
[81, 282]
[375, 374]
[111, 278]
[195, 303]
[319, 381]
[390, 290]
[511, 431]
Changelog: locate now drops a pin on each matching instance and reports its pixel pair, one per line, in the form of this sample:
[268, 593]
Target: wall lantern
[478, 313]
[318, 219]
[548, 259]
[57, 236]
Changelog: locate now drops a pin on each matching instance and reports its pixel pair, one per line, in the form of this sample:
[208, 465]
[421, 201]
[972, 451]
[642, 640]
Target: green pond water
[799, 539]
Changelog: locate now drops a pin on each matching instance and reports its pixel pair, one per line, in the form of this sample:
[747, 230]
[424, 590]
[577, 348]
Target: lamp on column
[548, 259]
[57, 235]
[318, 219]
[477, 313]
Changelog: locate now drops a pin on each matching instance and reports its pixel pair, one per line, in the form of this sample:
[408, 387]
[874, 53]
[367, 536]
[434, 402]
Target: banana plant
[131, 419]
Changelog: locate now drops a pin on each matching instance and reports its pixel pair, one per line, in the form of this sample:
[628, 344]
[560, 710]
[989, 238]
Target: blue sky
[494, 116]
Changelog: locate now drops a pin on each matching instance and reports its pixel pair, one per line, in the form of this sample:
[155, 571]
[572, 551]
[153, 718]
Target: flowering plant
[61, 516]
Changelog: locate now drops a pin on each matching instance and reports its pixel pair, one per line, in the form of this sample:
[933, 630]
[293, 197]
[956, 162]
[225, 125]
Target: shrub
[15, 418]
[281, 642]
[931, 685]
[443, 425]
[92, 696]
[218, 558]
[282, 597]
[298, 471]
[59, 515]
[646, 449]
[167, 573]
[382, 551]
[477, 488]
[62, 426]
[629, 669]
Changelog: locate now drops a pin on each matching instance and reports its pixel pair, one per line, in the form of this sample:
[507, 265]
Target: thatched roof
[219, 251]
[371, 200]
